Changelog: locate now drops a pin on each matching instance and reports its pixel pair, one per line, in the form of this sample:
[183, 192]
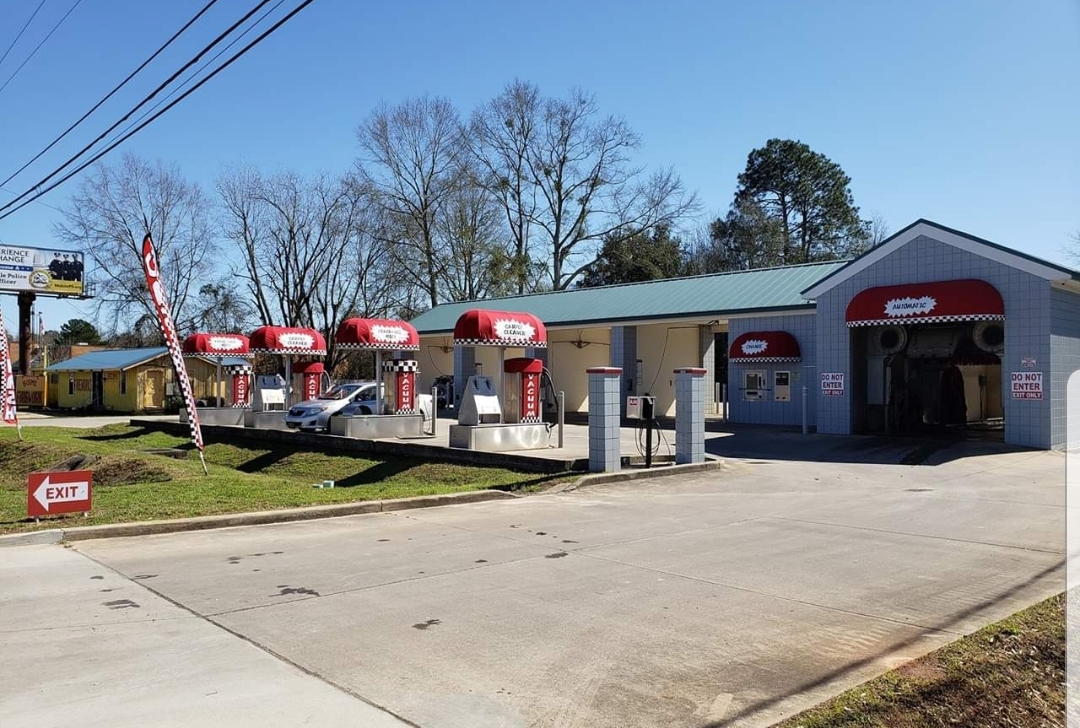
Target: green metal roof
[712, 296]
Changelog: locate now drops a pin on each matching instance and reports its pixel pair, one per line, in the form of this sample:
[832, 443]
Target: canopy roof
[764, 347]
[478, 327]
[377, 334]
[216, 345]
[287, 340]
[940, 301]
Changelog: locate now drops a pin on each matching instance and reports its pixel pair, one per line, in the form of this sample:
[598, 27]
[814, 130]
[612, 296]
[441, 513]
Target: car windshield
[341, 391]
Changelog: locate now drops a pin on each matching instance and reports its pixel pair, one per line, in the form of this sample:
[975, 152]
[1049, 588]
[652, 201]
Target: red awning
[216, 345]
[966, 300]
[499, 328]
[384, 334]
[760, 347]
[287, 340]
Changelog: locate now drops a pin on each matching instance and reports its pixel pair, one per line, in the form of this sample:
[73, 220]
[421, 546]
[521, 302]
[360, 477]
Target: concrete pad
[85, 647]
[727, 598]
[570, 641]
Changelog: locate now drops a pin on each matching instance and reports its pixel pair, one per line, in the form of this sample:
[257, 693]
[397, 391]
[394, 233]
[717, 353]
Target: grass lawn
[131, 484]
[1011, 673]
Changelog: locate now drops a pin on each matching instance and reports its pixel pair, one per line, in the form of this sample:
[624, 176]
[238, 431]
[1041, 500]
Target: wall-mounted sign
[1028, 362]
[832, 384]
[1027, 385]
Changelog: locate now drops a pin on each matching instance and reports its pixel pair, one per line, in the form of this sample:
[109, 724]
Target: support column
[464, 367]
[690, 415]
[605, 443]
[26, 329]
[623, 355]
[707, 353]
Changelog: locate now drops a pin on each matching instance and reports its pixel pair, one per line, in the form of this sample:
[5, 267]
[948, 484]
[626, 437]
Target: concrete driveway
[732, 598]
[42, 419]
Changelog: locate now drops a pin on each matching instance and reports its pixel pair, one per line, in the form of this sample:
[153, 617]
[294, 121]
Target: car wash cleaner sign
[1027, 385]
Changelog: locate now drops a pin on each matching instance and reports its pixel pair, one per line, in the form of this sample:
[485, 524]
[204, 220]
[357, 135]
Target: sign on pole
[66, 491]
[172, 341]
[832, 384]
[1027, 385]
[41, 270]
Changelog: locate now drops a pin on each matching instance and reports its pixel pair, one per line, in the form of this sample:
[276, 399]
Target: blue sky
[964, 112]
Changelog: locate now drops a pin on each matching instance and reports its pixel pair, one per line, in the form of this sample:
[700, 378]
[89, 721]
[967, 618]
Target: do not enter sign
[61, 492]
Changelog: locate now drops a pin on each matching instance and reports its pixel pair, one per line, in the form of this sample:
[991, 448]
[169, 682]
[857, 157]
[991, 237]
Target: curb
[626, 476]
[258, 518]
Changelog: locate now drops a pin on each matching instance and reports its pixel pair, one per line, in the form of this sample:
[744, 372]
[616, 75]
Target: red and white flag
[172, 341]
[8, 412]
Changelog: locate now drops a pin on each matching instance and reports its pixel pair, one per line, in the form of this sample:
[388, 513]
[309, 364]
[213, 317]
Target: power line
[142, 103]
[149, 121]
[15, 194]
[20, 35]
[202, 68]
[38, 47]
[109, 95]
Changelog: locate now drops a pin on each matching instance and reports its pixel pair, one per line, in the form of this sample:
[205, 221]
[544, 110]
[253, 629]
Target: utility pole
[26, 329]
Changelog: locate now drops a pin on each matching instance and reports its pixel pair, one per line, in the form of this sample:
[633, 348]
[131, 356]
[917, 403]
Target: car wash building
[932, 333]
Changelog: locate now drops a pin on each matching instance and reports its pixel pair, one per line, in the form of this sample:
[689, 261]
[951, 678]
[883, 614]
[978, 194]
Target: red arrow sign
[66, 491]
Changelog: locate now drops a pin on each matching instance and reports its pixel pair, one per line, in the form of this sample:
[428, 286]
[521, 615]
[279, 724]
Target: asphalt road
[731, 598]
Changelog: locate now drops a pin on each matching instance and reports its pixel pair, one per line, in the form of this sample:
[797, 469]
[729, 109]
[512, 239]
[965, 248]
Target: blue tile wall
[770, 412]
[1027, 328]
[1064, 357]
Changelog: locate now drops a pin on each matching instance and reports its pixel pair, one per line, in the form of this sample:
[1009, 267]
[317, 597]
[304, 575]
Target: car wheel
[365, 410]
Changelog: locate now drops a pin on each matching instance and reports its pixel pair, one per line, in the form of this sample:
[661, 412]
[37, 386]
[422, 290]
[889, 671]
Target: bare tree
[479, 263]
[504, 134]
[879, 230]
[309, 248]
[411, 157]
[112, 210]
[587, 189]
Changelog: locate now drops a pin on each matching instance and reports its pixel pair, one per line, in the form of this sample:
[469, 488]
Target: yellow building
[130, 380]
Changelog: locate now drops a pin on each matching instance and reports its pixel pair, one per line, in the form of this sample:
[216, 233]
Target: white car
[314, 414]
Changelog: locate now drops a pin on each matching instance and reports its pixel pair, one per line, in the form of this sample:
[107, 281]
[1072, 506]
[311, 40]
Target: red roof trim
[288, 341]
[961, 300]
[479, 327]
[202, 344]
[363, 334]
[765, 346]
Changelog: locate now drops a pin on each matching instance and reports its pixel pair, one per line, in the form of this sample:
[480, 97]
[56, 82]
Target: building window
[123, 382]
[71, 384]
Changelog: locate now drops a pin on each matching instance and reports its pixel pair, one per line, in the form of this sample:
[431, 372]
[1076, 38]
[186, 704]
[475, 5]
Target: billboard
[41, 270]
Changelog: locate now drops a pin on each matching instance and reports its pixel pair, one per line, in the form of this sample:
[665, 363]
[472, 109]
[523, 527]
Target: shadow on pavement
[944, 626]
[778, 443]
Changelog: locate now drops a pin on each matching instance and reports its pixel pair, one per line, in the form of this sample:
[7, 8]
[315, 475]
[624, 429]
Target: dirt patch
[920, 671]
[1011, 673]
[125, 471]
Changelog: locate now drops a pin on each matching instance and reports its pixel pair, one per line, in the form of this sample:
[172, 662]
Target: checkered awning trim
[238, 369]
[504, 343]
[927, 320]
[378, 347]
[767, 360]
[406, 365]
[291, 352]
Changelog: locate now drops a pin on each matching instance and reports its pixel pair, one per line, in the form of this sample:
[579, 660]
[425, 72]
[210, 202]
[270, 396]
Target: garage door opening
[927, 361]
